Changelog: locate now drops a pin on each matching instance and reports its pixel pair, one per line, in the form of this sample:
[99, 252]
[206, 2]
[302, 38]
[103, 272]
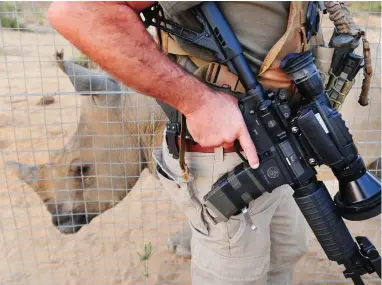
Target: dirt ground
[33, 252]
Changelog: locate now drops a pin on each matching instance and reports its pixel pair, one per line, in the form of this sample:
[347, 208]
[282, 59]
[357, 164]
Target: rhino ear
[84, 80]
[26, 172]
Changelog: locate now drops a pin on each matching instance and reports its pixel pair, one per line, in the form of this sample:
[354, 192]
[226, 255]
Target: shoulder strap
[171, 46]
[295, 25]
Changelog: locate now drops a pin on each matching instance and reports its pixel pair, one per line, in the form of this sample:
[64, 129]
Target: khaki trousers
[231, 253]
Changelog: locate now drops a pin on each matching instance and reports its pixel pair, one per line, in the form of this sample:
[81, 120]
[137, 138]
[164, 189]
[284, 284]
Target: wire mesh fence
[78, 203]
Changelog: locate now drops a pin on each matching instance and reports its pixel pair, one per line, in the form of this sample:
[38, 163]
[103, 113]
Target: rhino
[98, 167]
[101, 163]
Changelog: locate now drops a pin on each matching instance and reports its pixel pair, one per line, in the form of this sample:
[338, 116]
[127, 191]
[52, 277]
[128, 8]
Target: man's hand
[114, 37]
[219, 122]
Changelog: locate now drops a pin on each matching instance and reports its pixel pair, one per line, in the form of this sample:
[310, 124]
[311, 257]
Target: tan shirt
[257, 25]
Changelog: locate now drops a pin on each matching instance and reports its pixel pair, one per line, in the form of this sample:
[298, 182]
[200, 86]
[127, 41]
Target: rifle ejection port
[322, 123]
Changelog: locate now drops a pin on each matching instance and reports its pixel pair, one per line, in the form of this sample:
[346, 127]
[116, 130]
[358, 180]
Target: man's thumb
[249, 149]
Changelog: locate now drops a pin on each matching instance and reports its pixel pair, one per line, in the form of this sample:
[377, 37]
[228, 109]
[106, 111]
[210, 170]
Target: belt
[192, 146]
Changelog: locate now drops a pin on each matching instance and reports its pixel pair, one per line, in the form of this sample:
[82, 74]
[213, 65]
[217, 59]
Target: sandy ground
[33, 252]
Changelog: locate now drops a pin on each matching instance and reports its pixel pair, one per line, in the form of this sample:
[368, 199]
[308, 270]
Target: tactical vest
[294, 40]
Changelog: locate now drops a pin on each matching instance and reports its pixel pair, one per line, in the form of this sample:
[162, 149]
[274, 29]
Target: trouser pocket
[243, 258]
[182, 193]
[208, 267]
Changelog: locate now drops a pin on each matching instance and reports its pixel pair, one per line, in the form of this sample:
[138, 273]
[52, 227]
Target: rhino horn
[26, 172]
[84, 80]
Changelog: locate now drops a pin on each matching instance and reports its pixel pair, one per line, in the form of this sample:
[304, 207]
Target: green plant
[40, 17]
[8, 16]
[148, 251]
[10, 7]
[8, 22]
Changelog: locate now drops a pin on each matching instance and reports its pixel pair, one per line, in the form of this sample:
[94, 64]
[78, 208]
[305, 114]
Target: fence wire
[78, 204]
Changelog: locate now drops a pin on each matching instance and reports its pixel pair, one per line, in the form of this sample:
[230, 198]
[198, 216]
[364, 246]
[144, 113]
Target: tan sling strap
[368, 71]
[171, 46]
[293, 41]
[220, 76]
[295, 25]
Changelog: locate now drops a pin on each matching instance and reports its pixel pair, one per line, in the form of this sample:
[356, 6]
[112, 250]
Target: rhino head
[105, 156]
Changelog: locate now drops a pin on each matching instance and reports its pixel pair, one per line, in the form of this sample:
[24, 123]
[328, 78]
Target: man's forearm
[113, 35]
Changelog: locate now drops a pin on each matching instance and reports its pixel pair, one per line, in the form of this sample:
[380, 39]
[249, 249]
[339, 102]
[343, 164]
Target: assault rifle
[290, 142]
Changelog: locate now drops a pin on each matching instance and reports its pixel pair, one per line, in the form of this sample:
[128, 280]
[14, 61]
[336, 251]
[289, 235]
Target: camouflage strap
[341, 88]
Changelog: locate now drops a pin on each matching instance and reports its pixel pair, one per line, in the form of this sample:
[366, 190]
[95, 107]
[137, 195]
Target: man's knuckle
[202, 142]
[217, 142]
[229, 138]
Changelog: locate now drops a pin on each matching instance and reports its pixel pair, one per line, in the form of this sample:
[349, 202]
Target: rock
[45, 100]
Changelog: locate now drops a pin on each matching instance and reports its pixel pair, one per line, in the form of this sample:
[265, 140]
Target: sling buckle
[172, 132]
